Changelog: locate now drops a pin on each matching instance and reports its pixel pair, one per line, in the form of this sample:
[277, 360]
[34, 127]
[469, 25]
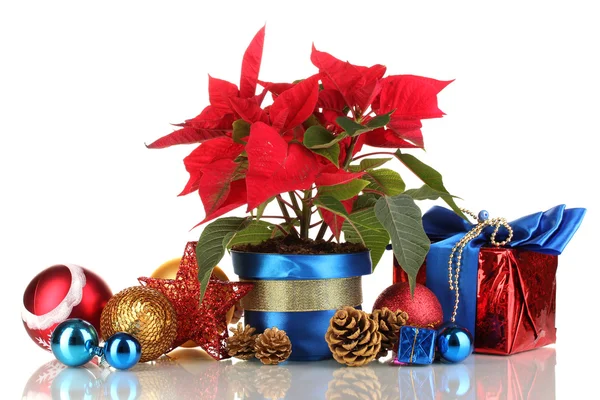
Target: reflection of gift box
[507, 295]
[525, 376]
[415, 346]
[416, 383]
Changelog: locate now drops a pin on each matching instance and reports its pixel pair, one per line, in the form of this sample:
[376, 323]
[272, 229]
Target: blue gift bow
[546, 232]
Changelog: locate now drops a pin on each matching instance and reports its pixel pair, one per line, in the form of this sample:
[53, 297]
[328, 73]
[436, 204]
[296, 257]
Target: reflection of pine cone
[240, 380]
[354, 384]
[241, 344]
[273, 346]
[273, 383]
[389, 325]
[353, 337]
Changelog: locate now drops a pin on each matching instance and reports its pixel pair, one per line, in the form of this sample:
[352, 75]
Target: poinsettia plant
[303, 152]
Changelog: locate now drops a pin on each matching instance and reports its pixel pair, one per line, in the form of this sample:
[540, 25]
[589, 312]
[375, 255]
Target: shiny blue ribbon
[300, 266]
[546, 232]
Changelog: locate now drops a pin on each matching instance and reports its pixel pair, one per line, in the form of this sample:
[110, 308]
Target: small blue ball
[454, 343]
[122, 351]
[483, 215]
[73, 341]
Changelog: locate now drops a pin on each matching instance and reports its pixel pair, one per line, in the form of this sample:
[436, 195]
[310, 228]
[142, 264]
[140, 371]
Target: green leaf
[331, 153]
[254, 233]
[332, 204]
[351, 127]
[210, 248]
[241, 129]
[317, 137]
[311, 121]
[260, 210]
[366, 200]
[380, 121]
[430, 177]
[364, 227]
[425, 193]
[401, 218]
[368, 163]
[359, 227]
[385, 181]
[344, 191]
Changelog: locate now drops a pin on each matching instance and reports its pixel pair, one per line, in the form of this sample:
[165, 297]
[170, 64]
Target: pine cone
[389, 325]
[273, 346]
[273, 383]
[241, 344]
[353, 337]
[348, 384]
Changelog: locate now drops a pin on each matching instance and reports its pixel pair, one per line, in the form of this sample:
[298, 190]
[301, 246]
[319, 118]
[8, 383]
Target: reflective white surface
[191, 374]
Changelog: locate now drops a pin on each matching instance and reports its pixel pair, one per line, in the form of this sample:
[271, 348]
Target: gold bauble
[144, 313]
[169, 269]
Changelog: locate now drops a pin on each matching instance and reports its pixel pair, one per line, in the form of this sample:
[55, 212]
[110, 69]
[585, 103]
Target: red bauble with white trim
[58, 293]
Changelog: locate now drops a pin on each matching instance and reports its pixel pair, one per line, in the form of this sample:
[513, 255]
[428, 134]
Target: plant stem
[322, 231]
[349, 152]
[373, 154]
[282, 231]
[286, 215]
[296, 206]
[316, 223]
[306, 214]
[270, 216]
[279, 198]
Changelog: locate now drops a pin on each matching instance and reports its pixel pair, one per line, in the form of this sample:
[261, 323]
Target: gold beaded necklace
[483, 221]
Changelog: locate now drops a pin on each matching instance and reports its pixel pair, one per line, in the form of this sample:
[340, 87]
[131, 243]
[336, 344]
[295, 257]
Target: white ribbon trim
[64, 308]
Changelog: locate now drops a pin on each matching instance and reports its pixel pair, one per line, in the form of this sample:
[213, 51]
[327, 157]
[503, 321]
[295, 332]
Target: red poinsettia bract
[248, 153]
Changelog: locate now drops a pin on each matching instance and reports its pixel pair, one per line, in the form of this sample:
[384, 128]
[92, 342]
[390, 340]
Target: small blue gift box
[416, 346]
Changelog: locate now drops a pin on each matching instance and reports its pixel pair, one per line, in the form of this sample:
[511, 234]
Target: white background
[84, 85]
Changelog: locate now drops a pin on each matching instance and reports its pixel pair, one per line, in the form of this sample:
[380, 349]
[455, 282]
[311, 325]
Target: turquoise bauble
[73, 342]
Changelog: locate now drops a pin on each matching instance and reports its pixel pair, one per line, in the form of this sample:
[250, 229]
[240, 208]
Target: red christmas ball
[59, 293]
[424, 309]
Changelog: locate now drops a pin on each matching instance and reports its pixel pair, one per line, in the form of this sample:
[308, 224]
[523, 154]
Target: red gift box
[516, 300]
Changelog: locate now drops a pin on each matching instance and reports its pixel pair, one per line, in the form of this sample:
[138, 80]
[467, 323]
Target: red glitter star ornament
[205, 323]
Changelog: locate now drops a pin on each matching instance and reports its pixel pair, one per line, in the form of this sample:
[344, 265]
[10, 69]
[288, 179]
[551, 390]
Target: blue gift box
[416, 346]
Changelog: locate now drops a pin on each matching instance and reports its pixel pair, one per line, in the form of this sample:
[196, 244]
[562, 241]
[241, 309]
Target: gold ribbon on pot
[303, 295]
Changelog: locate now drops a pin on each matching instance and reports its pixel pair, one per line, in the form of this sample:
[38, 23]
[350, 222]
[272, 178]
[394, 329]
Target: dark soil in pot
[295, 245]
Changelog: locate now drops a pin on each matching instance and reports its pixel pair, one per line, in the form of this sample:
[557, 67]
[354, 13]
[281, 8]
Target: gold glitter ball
[144, 313]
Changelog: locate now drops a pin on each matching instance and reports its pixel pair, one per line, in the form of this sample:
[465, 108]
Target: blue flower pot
[300, 293]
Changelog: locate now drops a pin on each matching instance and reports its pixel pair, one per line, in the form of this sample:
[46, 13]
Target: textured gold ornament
[389, 323]
[273, 346]
[353, 337]
[241, 343]
[144, 313]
